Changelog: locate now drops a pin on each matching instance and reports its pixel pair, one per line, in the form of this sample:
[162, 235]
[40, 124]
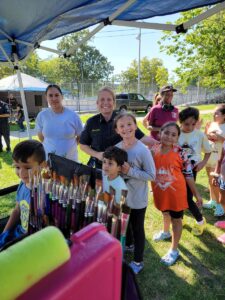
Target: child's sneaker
[210, 204]
[220, 224]
[219, 211]
[136, 267]
[129, 248]
[198, 229]
[170, 258]
[221, 238]
[161, 236]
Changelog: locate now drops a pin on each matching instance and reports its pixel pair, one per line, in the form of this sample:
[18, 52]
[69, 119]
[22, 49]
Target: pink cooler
[93, 272]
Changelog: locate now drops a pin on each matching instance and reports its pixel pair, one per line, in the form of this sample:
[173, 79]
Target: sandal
[170, 258]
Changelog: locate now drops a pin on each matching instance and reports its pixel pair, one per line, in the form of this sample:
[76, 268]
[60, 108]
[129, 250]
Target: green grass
[200, 272]
[203, 107]
[14, 126]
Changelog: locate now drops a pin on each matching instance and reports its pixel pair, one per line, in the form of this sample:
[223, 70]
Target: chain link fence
[82, 97]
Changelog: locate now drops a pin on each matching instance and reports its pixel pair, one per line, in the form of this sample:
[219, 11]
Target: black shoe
[8, 150]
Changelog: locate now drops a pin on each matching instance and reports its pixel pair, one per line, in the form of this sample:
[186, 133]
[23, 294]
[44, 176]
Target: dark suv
[132, 101]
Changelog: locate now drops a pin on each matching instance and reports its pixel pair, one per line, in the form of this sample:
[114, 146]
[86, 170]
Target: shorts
[175, 214]
[221, 184]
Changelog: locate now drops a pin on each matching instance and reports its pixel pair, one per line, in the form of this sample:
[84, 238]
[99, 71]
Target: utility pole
[139, 59]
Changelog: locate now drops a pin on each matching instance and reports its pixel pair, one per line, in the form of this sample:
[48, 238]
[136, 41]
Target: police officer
[4, 125]
[99, 133]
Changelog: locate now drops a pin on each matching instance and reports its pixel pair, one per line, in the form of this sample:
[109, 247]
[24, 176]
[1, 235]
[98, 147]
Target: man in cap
[163, 112]
[4, 125]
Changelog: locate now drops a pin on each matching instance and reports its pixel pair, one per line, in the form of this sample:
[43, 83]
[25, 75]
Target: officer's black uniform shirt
[4, 109]
[99, 134]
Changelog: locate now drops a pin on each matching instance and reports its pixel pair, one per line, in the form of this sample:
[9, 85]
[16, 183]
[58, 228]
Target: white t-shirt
[118, 184]
[60, 131]
[216, 146]
[194, 143]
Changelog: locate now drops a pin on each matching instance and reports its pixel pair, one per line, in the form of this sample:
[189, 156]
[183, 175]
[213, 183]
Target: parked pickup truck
[132, 101]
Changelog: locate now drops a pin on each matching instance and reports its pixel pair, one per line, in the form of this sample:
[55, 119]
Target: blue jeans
[20, 123]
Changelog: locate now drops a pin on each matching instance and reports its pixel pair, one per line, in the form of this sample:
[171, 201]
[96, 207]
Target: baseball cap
[167, 88]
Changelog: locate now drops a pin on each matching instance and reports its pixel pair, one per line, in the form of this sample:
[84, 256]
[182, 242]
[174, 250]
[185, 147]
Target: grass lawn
[203, 106]
[199, 273]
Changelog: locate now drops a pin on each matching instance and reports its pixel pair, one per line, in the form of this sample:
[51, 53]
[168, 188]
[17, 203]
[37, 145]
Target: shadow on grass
[199, 272]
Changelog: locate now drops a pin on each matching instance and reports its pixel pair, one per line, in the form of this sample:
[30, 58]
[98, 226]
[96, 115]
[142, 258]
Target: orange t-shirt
[169, 188]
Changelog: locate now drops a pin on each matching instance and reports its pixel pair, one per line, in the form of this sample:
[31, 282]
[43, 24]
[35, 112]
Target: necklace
[59, 112]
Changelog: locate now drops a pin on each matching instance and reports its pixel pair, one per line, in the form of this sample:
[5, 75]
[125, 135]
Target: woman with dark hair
[58, 127]
[163, 112]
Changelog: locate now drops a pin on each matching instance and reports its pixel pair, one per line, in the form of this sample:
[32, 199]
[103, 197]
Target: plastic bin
[93, 272]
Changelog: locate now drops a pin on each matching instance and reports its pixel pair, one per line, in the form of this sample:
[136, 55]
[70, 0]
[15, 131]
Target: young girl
[139, 169]
[192, 141]
[215, 132]
[219, 179]
[169, 188]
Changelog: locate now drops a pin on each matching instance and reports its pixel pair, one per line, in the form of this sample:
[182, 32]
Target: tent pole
[24, 103]
[121, 9]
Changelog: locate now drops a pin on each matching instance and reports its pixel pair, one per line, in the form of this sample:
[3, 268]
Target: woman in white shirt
[58, 127]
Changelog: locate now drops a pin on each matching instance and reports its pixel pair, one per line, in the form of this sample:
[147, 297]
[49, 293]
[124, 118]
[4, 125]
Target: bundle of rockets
[71, 205]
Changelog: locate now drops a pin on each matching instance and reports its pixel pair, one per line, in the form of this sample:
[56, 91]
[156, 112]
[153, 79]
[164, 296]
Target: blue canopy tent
[25, 24]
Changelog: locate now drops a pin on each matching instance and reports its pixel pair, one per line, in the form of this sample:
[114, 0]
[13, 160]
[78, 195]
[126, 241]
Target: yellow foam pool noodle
[26, 262]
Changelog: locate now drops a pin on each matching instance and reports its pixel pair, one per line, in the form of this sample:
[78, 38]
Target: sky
[120, 45]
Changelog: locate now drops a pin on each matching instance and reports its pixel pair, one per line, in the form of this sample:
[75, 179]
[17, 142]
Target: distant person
[4, 126]
[163, 112]
[20, 117]
[12, 102]
[99, 134]
[58, 127]
[27, 155]
[145, 121]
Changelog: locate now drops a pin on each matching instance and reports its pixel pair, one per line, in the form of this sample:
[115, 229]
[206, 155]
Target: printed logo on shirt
[24, 214]
[189, 150]
[95, 130]
[164, 179]
[174, 115]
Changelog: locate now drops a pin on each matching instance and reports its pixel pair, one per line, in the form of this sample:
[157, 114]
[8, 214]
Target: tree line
[200, 53]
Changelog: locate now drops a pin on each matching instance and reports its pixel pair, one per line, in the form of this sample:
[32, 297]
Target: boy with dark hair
[189, 112]
[194, 142]
[27, 155]
[113, 159]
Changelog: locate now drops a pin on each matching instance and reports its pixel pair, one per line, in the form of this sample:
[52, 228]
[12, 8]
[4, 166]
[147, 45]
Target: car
[133, 102]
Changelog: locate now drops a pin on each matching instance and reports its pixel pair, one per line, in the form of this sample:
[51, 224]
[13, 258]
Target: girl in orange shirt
[173, 170]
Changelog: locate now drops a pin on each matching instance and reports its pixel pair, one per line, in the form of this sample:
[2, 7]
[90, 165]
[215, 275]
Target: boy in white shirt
[194, 142]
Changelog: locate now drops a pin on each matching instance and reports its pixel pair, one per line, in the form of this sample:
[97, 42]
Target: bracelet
[214, 174]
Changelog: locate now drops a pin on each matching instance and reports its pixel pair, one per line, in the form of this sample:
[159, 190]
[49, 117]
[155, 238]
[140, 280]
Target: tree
[31, 65]
[200, 51]
[50, 70]
[152, 71]
[86, 63]
[5, 71]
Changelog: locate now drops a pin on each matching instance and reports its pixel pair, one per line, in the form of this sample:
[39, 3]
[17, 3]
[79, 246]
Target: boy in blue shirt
[27, 155]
